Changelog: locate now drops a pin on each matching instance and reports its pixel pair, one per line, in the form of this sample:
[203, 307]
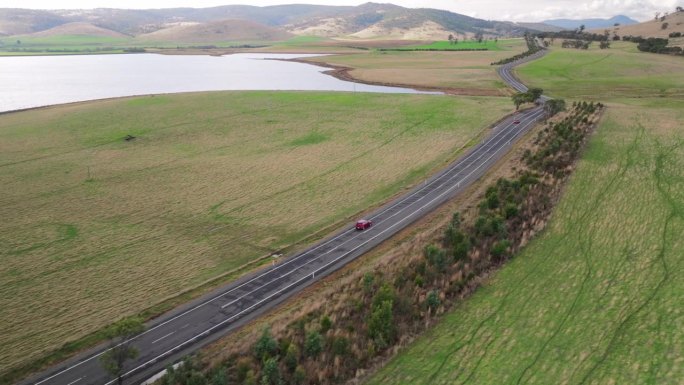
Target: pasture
[96, 227]
[489, 45]
[596, 298]
[464, 72]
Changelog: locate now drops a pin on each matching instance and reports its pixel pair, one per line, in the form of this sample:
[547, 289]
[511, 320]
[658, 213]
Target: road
[170, 337]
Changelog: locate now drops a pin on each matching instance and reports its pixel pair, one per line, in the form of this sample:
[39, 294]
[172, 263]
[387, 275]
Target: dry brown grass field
[96, 228]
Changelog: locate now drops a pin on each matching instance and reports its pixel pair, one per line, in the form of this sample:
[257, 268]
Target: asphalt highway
[170, 337]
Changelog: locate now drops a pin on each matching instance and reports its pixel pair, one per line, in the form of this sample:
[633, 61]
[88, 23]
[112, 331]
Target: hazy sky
[528, 10]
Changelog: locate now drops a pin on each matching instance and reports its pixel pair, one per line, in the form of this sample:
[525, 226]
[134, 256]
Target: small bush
[266, 346]
[326, 324]
[432, 301]
[313, 345]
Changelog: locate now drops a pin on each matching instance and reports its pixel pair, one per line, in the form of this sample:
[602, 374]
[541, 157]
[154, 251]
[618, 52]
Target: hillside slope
[226, 30]
[78, 28]
[375, 19]
[654, 28]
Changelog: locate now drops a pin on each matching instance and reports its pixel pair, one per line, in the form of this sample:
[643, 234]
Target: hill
[368, 20]
[373, 20]
[539, 27]
[25, 21]
[225, 30]
[654, 28]
[591, 23]
[78, 28]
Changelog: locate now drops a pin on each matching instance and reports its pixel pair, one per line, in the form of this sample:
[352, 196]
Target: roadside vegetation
[369, 317]
[595, 299]
[114, 207]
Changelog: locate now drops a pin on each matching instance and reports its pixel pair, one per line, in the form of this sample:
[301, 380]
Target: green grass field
[597, 298]
[489, 45]
[95, 227]
[64, 44]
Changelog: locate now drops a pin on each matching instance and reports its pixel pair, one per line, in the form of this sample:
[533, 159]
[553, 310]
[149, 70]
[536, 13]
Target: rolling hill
[591, 23]
[215, 31]
[78, 28]
[654, 28]
[25, 21]
[367, 20]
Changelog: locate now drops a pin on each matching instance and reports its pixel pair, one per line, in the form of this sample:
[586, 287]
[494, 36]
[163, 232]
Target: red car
[516, 121]
[363, 224]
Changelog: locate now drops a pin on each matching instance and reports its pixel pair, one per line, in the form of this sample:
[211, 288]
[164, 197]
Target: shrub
[326, 324]
[499, 249]
[381, 324]
[436, 257]
[291, 357]
[313, 345]
[266, 346]
[432, 301]
[299, 376]
[270, 373]
[368, 281]
[510, 211]
[340, 346]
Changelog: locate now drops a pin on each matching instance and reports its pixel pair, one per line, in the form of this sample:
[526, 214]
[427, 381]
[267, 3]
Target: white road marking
[161, 338]
[75, 381]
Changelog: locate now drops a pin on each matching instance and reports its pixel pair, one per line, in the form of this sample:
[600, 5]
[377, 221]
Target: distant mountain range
[591, 23]
[368, 20]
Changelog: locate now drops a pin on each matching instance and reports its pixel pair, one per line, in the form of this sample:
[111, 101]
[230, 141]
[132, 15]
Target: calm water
[45, 80]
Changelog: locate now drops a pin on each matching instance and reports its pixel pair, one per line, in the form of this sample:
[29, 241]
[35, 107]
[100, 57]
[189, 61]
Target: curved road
[184, 330]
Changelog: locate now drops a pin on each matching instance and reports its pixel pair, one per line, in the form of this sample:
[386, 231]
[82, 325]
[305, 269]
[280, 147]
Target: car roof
[362, 221]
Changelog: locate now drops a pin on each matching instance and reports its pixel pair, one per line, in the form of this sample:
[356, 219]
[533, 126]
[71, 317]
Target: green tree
[534, 94]
[432, 301]
[381, 324]
[121, 349]
[519, 99]
[313, 345]
[266, 346]
[291, 357]
[326, 324]
[270, 372]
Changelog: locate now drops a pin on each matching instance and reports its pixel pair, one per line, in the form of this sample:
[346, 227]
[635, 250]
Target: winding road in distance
[171, 336]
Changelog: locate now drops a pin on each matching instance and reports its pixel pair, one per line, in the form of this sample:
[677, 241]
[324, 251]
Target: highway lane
[170, 337]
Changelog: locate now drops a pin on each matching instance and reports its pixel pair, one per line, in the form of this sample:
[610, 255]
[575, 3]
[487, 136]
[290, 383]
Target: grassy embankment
[468, 72]
[597, 298]
[95, 228]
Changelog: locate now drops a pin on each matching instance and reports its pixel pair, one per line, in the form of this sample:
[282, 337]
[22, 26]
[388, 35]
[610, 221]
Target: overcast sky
[527, 10]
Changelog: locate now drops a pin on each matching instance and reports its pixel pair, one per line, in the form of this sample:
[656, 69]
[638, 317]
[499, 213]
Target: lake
[35, 81]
